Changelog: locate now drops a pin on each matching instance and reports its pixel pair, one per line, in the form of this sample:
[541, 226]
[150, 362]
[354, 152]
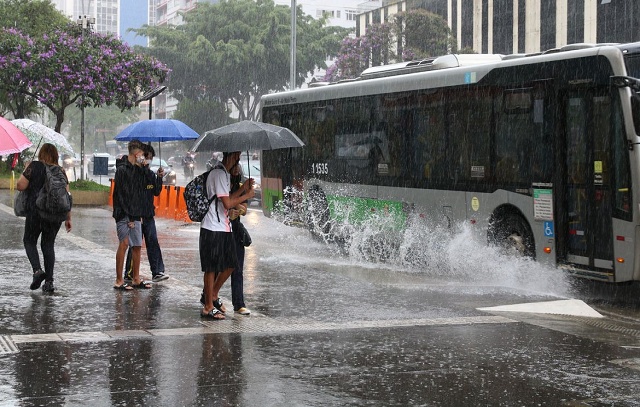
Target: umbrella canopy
[12, 140]
[157, 130]
[38, 133]
[247, 135]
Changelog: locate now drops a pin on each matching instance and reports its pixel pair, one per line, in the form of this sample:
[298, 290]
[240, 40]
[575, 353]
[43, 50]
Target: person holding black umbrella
[218, 256]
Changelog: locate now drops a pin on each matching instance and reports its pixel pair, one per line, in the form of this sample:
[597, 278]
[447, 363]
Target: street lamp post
[85, 22]
[292, 71]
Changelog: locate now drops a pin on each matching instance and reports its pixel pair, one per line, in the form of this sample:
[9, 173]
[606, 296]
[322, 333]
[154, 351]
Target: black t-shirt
[37, 175]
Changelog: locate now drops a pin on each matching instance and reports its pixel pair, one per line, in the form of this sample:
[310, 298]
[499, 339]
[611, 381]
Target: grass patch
[88, 185]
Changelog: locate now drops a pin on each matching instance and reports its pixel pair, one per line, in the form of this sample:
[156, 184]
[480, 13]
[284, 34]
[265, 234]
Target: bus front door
[586, 210]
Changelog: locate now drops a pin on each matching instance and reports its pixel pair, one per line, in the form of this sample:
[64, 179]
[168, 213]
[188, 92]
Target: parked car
[67, 161]
[111, 162]
[169, 177]
[173, 161]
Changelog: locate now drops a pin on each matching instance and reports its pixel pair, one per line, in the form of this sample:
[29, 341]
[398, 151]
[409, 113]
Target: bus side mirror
[635, 112]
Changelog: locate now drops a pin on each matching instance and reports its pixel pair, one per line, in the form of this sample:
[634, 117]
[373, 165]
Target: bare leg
[219, 282]
[209, 278]
[120, 253]
[135, 264]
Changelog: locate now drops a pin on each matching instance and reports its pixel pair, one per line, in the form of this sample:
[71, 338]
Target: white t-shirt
[218, 183]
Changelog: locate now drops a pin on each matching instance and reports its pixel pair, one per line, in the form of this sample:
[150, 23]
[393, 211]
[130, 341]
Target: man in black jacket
[153, 188]
[129, 197]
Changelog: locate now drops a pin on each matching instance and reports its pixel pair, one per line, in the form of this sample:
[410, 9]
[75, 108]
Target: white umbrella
[39, 133]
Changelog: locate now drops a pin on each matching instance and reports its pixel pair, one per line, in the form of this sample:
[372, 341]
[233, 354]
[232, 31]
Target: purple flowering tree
[66, 67]
[406, 36]
[357, 54]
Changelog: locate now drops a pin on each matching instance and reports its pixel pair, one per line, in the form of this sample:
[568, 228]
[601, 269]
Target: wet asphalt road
[326, 329]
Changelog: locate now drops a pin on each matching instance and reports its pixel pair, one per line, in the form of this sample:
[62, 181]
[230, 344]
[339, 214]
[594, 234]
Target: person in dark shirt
[153, 188]
[31, 182]
[237, 280]
[129, 197]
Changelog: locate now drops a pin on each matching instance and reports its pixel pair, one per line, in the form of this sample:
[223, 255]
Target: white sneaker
[243, 311]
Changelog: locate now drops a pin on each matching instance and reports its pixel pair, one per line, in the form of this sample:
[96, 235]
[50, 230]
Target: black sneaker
[48, 287]
[38, 278]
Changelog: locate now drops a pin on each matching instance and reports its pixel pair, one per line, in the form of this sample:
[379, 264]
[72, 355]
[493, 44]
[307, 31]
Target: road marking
[250, 325]
[7, 346]
[561, 307]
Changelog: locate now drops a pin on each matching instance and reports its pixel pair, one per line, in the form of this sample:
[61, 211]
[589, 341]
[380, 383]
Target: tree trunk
[59, 119]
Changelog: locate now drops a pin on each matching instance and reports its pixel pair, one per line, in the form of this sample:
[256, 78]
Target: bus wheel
[317, 212]
[512, 233]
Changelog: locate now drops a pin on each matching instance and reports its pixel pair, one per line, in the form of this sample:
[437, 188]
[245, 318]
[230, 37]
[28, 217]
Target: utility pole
[85, 22]
[292, 84]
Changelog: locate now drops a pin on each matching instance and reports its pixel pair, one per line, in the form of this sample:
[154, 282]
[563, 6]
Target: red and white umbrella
[12, 140]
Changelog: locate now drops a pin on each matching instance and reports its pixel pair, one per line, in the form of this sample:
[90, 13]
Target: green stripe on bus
[356, 211]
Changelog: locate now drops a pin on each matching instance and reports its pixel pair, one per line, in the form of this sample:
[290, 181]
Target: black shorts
[217, 251]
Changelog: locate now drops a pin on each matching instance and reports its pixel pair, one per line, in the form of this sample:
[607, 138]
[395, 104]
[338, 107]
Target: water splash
[454, 254]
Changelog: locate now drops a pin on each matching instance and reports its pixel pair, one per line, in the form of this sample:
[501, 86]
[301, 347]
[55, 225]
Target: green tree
[101, 124]
[422, 34]
[416, 34]
[34, 18]
[238, 50]
[202, 115]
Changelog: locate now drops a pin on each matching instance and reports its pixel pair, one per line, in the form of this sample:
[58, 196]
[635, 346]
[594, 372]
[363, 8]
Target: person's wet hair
[135, 145]
[149, 151]
[48, 154]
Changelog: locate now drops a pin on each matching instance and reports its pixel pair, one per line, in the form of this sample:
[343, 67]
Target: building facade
[523, 26]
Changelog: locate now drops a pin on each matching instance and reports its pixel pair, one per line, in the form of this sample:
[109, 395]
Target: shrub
[87, 185]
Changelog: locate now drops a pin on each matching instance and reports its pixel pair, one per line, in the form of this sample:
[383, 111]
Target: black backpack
[54, 201]
[195, 196]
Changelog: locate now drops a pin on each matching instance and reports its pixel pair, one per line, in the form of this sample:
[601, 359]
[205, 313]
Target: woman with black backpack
[32, 181]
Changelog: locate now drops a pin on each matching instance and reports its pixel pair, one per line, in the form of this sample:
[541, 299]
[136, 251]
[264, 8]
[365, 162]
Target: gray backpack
[54, 201]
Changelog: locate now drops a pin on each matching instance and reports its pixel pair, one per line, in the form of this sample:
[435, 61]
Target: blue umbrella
[157, 130]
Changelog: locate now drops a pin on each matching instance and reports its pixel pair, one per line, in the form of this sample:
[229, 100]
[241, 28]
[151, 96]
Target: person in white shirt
[218, 256]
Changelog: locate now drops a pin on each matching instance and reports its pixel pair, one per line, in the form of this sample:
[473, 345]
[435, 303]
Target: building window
[328, 13]
[351, 15]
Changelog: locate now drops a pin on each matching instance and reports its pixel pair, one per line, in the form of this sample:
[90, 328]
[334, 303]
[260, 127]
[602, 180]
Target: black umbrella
[247, 135]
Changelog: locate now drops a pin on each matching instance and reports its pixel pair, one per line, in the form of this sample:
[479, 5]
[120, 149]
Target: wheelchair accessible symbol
[548, 229]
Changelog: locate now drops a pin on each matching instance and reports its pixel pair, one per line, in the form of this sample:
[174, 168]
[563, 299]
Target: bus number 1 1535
[319, 168]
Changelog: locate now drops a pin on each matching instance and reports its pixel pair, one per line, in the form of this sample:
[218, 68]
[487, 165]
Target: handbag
[20, 203]
[245, 238]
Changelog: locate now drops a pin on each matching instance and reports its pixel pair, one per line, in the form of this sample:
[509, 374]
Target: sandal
[219, 306]
[213, 314]
[144, 285]
[123, 287]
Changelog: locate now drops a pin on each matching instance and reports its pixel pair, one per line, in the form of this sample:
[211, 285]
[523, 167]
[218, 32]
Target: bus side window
[469, 132]
[519, 130]
[429, 131]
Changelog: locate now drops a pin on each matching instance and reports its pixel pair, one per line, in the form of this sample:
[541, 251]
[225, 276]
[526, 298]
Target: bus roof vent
[570, 47]
[429, 64]
[318, 84]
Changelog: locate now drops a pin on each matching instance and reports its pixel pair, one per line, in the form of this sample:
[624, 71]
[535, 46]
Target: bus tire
[317, 212]
[512, 233]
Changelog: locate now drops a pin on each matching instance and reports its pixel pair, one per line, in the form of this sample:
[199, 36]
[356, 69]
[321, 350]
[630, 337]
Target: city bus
[536, 153]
